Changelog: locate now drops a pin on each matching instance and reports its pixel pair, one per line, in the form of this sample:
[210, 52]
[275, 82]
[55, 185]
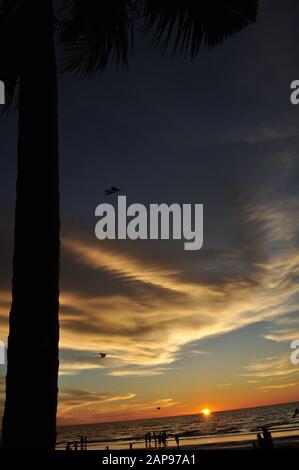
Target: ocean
[218, 427]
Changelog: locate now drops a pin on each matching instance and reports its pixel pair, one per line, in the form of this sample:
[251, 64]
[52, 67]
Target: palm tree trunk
[29, 420]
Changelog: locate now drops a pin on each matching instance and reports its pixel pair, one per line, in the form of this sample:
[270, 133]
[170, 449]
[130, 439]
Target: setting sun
[206, 412]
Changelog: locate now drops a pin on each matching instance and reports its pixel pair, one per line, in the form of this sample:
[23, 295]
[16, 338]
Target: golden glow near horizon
[206, 412]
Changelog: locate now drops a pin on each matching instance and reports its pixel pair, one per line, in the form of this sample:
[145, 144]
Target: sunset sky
[182, 330]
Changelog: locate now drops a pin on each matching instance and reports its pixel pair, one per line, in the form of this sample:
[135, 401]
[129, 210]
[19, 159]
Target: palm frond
[95, 32]
[188, 25]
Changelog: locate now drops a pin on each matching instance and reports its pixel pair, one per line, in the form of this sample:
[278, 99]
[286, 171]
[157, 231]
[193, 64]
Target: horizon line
[176, 416]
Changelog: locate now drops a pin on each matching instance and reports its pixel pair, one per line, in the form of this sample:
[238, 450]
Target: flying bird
[102, 355]
[159, 408]
[112, 190]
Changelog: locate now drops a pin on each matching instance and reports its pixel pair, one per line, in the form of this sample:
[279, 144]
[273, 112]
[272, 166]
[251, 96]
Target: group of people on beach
[77, 445]
[159, 439]
[264, 440]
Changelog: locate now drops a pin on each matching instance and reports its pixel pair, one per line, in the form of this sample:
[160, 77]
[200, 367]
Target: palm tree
[93, 32]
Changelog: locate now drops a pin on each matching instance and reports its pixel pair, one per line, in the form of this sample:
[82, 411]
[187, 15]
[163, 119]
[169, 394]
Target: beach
[286, 441]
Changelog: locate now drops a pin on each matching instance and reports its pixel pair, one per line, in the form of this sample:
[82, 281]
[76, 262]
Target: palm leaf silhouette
[190, 24]
[94, 32]
[97, 31]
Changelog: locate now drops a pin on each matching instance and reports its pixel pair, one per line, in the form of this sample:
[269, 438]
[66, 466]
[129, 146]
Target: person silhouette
[268, 441]
[177, 439]
[260, 441]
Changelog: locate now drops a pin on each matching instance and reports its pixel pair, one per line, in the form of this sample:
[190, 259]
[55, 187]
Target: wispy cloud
[278, 386]
[138, 372]
[151, 331]
[77, 405]
[270, 367]
[148, 331]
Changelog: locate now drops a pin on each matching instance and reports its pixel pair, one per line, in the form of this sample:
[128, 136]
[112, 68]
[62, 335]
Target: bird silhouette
[102, 355]
[112, 190]
[159, 408]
